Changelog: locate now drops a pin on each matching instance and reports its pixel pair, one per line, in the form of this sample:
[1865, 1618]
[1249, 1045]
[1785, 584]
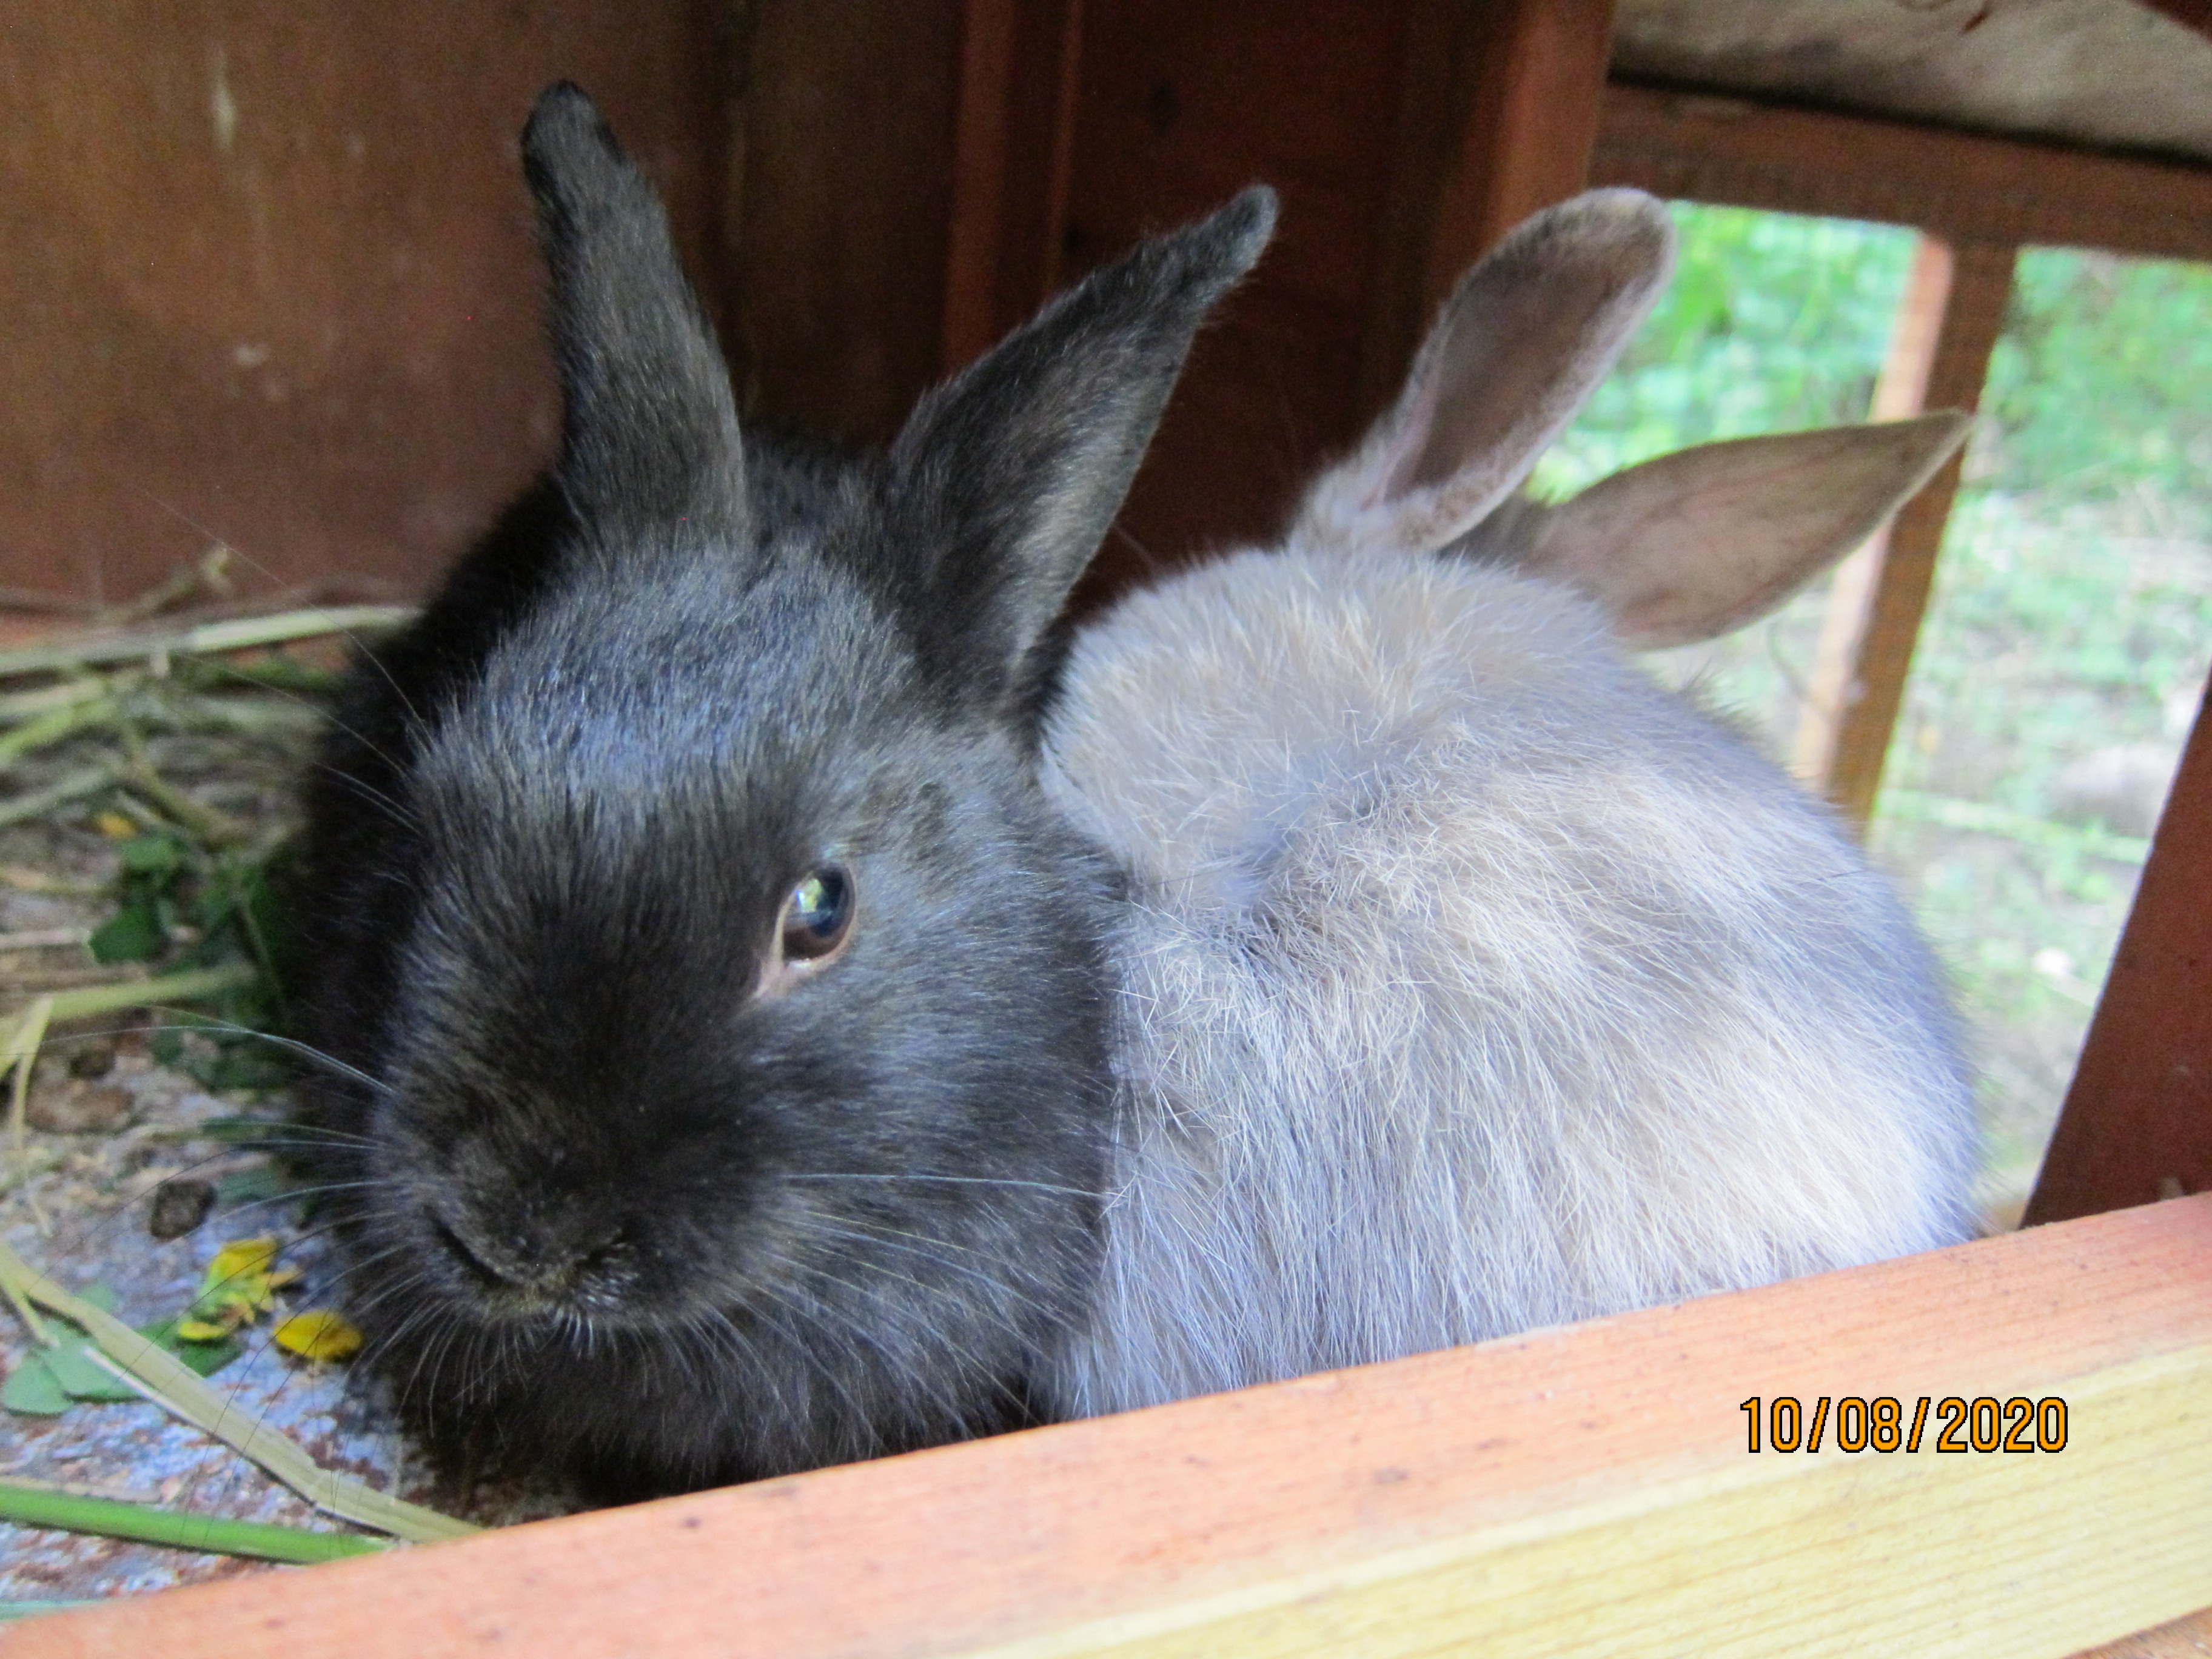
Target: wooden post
[1537, 115]
[2137, 1121]
[1499, 115]
[1902, 390]
[1014, 132]
[1865, 713]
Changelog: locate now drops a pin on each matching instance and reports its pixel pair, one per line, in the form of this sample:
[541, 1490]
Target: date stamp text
[1883, 1424]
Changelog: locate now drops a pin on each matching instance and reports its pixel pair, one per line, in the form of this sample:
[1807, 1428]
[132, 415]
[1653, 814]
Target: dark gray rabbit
[726, 1011]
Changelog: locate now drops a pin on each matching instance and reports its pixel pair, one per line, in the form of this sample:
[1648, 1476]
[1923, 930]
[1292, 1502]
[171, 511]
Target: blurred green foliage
[2072, 604]
[2102, 381]
[1772, 322]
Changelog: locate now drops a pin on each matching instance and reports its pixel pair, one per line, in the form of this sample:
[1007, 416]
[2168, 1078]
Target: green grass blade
[170, 1383]
[110, 1517]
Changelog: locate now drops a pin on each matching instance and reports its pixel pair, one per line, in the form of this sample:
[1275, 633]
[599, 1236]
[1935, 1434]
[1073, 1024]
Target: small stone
[95, 1057]
[179, 1205]
[81, 1108]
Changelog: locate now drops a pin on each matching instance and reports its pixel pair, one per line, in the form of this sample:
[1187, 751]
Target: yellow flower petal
[318, 1334]
[202, 1330]
[240, 1257]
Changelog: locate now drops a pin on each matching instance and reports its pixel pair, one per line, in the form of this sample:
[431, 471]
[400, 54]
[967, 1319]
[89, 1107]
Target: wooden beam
[1015, 132]
[1582, 1489]
[1980, 280]
[1536, 113]
[1834, 684]
[1966, 187]
[847, 140]
[2137, 1121]
[1498, 113]
[2185, 1638]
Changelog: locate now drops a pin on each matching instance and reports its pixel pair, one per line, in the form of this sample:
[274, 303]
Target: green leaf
[80, 1378]
[32, 1390]
[205, 1358]
[134, 933]
[154, 855]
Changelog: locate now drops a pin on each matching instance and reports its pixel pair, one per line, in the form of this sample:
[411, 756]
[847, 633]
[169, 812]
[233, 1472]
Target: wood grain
[1980, 280]
[2137, 1121]
[837, 260]
[1901, 390]
[1586, 1490]
[1967, 187]
[268, 273]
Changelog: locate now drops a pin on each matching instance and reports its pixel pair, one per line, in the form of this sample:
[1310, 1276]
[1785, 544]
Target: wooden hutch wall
[268, 272]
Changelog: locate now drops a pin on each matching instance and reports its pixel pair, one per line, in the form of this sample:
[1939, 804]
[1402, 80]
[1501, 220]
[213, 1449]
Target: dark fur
[557, 825]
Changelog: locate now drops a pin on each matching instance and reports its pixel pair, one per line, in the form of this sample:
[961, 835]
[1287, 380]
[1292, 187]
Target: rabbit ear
[1525, 337]
[649, 434]
[1695, 543]
[1009, 474]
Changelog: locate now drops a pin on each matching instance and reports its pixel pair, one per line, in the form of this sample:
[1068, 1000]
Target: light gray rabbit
[1472, 982]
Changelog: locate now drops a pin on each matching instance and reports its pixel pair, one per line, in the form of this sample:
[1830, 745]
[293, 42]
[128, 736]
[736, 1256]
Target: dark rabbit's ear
[1010, 473]
[649, 435]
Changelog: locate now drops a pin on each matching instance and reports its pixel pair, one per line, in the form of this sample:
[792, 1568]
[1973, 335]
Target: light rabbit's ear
[1525, 337]
[1693, 545]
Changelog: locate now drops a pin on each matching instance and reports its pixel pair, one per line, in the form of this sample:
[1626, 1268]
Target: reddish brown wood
[268, 274]
[1536, 122]
[1016, 128]
[2137, 1122]
[1836, 682]
[1967, 187]
[2185, 1638]
[1297, 1491]
[839, 244]
[1177, 107]
[1981, 278]
[1499, 110]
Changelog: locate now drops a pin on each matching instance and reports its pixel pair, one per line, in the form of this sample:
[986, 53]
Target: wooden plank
[1536, 121]
[1582, 1489]
[1176, 107]
[2137, 1121]
[837, 260]
[1966, 187]
[1498, 110]
[1016, 130]
[1981, 279]
[2185, 1638]
[1834, 684]
[268, 275]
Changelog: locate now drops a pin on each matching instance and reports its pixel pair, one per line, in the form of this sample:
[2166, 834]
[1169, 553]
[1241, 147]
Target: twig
[171, 1384]
[44, 938]
[21, 1057]
[210, 823]
[210, 572]
[31, 1505]
[21, 705]
[39, 802]
[239, 635]
[43, 729]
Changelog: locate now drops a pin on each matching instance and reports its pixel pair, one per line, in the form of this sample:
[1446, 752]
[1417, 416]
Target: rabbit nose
[537, 1256]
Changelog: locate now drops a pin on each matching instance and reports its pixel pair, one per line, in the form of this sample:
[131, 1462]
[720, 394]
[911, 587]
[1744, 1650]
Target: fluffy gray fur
[1471, 981]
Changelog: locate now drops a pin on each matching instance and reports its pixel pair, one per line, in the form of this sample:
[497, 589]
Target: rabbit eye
[818, 915]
